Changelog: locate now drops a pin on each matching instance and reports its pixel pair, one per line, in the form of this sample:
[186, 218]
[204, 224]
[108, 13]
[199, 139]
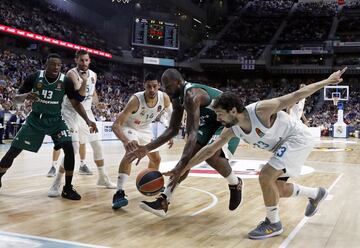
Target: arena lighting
[29, 35]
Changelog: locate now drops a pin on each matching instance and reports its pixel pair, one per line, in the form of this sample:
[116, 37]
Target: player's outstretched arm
[275, 105]
[25, 91]
[209, 150]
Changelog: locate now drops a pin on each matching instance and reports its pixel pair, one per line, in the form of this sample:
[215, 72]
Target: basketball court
[198, 216]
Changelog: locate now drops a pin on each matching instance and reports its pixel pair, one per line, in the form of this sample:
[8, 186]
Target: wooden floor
[26, 209]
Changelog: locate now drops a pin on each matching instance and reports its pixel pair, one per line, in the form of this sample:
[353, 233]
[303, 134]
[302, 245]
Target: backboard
[341, 92]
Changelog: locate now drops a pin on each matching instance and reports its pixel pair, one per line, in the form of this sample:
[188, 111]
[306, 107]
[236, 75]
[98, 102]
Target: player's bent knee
[68, 148]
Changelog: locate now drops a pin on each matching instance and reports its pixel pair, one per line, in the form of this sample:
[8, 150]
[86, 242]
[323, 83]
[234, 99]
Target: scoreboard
[154, 33]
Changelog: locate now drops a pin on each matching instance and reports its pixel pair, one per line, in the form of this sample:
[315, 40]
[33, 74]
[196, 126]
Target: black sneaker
[119, 200]
[235, 194]
[158, 207]
[70, 193]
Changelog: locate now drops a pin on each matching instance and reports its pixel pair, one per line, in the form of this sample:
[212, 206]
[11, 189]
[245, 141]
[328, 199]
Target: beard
[231, 123]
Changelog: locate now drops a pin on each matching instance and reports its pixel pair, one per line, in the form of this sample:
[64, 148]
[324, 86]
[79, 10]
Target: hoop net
[335, 98]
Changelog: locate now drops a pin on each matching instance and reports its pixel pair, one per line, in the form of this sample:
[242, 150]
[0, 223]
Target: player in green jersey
[46, 89]
[202, 128]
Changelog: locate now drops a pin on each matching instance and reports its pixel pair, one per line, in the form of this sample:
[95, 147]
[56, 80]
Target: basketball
[149, 182]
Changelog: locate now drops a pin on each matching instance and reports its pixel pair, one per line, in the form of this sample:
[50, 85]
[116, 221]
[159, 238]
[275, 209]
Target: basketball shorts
[292, 154]
[84, 131]
[142, 136]
[71, 120]
[31, 135]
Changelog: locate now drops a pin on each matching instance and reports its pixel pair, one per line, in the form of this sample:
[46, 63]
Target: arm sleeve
[70, 90]
[27, 84]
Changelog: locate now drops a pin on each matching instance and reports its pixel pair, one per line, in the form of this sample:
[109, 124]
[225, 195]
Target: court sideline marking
[300, 225]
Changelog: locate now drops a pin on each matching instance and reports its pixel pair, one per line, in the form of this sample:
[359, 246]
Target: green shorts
[209, 133]
[31, 135]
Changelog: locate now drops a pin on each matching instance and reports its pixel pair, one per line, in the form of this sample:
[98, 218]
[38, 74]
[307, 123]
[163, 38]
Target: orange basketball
[149, 182]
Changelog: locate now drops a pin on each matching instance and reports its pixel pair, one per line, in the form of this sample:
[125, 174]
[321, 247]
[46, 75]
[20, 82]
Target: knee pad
[97, 150]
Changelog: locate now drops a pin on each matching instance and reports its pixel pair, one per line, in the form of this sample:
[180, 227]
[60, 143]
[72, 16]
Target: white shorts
[84, 131]
[70, 118]
[142, 136]
[292, 154]
[157, 129]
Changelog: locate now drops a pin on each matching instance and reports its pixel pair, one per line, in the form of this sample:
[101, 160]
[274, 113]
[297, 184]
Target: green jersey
[207, 114]
[50, 92]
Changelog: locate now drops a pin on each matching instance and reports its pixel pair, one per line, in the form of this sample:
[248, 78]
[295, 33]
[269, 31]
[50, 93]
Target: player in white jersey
[132, 127]
[264, 125]
[80, 133]
[297, 110]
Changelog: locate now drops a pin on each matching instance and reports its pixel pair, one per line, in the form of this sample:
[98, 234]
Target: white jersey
[144, 115]
[297, 110]
[269, 139]
[90, 89]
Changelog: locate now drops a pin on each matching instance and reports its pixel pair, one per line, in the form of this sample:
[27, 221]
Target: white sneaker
[84, 170]
[54, 191]
[52, 172]
[105, 181]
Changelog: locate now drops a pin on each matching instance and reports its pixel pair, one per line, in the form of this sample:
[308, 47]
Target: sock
[54, 164]
[122, 177]
[272, 213]
[168, 192]
[300, 190]
[82, 162]
[101, 171]
[232, 179]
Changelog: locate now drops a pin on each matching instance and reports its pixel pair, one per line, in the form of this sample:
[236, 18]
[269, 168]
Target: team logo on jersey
[159, 108]
[137, 122]
[259, 132]
[58, 86]
[39, 85]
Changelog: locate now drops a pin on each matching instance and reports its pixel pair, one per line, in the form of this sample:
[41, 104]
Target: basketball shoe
[103, 180]
[266, 229]
[158, 207]
[52, 172]
[235, 194]
[70, 193]
[54, 190]
[119, 199]
[313, 204]
[84, 170]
